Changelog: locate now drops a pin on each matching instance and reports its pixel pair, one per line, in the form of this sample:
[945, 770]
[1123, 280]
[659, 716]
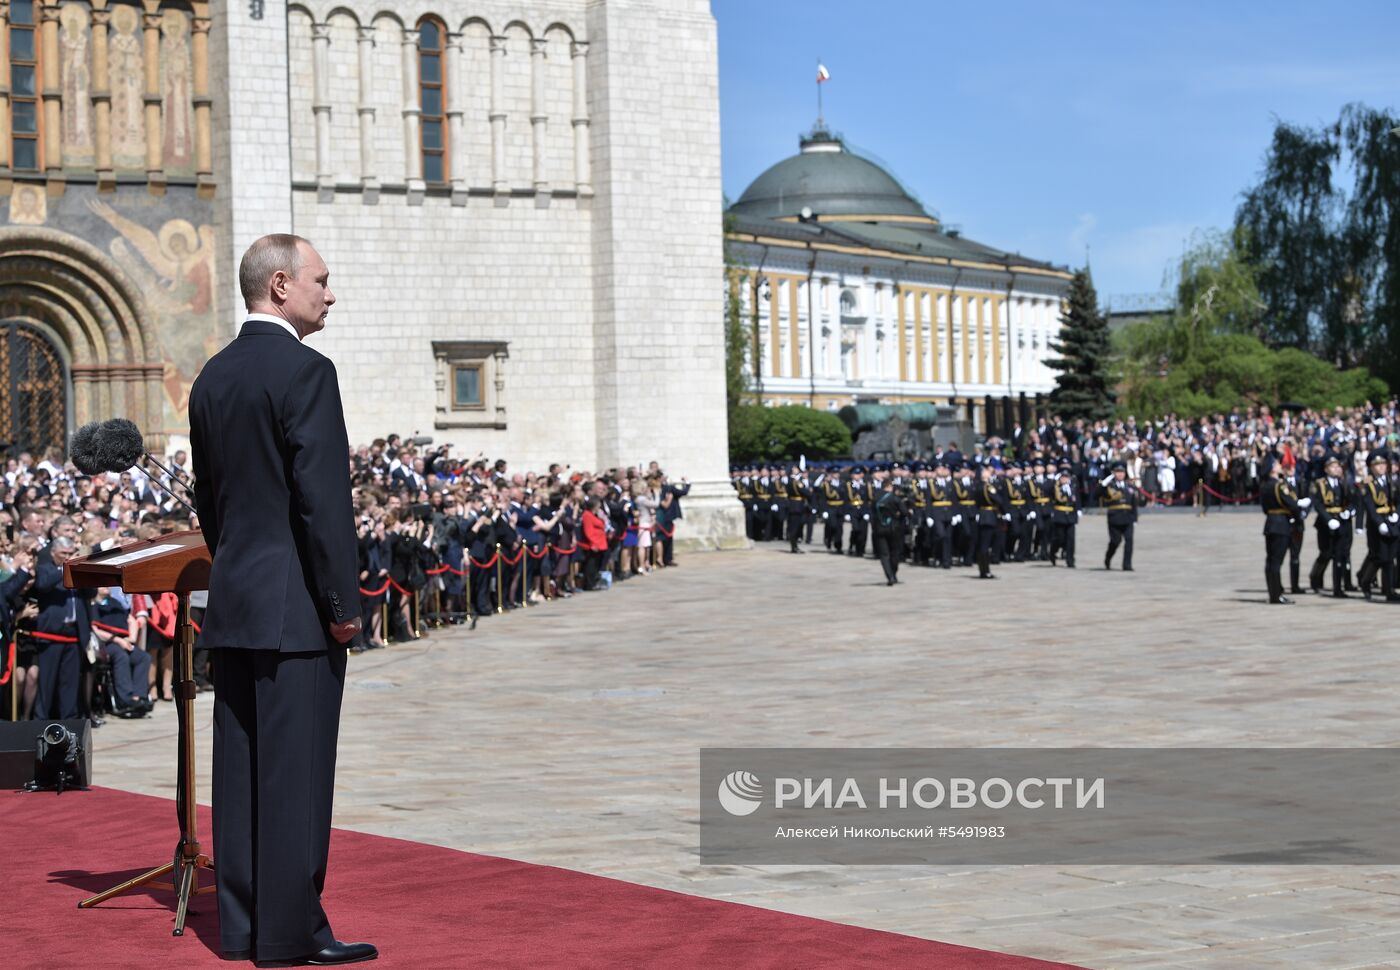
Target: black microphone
[116, 446]
[111, 446]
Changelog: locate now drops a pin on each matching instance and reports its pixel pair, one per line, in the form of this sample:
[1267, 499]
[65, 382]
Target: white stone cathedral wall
[405, 276]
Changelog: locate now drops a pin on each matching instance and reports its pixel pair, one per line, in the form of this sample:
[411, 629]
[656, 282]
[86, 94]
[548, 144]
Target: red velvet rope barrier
[662, 529]
[119, 631]
[375, 592]
[1167, 500]
[9, 666]
[53, 637]
[1226, 498]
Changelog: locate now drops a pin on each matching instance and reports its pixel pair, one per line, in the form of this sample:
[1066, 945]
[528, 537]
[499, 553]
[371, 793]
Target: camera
[421, 511]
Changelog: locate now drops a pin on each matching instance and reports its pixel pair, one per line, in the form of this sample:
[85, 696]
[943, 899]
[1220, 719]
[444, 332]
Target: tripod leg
[182, 906]
[141, 880]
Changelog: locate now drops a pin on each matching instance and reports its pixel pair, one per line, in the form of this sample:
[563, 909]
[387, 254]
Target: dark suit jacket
[676, 492]
[52, 598]
[272, 481]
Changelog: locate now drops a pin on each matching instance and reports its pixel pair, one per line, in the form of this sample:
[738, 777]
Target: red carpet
[426, 907]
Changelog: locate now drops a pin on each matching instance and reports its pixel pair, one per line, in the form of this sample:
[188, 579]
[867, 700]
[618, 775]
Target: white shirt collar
[269, 318]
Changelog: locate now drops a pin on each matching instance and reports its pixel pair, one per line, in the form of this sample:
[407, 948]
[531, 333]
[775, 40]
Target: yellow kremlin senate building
[854, 293]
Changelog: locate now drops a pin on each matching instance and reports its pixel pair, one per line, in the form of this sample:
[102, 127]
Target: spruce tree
[1082, 386]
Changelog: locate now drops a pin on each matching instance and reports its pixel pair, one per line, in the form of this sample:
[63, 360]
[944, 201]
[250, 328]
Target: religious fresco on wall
[76, 80]
[177, 79]
[165, 246]
[126, 78]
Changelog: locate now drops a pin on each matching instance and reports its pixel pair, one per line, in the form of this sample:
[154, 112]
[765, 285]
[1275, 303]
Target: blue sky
[1043, 127]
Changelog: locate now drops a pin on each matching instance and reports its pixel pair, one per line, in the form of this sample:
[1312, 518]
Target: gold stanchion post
[500, 603]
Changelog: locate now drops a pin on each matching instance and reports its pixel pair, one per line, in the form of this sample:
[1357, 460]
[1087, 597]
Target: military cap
[1378, 456]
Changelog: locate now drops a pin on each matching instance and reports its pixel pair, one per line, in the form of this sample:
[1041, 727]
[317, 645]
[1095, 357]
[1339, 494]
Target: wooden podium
[176, 563]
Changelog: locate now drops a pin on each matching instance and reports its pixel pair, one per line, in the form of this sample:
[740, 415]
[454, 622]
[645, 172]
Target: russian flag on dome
[822, 73]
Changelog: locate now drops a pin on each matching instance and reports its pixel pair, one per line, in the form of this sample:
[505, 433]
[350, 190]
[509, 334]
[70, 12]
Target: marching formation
[1345, 508]
[943, 513]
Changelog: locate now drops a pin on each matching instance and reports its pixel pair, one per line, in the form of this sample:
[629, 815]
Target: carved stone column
[5, 96]
[155, 165]
[538, 119]
[102, 99]
[456, 132]
[321, 108]
[53, 102]
[412, 113]
[203, 103]
[497, 117]
[582, 179]
[369, 181]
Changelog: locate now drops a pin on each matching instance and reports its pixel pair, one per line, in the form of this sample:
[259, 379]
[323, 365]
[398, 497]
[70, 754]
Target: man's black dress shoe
[332, 956]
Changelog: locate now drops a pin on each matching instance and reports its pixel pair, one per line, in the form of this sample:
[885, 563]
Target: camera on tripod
[60, 760]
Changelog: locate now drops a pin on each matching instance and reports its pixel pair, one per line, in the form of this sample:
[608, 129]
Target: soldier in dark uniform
[1280, 505]
[964, 519]
[992, 512]
[887, 521]
[799, 497]
[833, 500]
[1295, 538]
[1042, 492]
[858, 510]
[1334, 499]
[1381, 530]
[1065, 505]
[922, 547]
[744, 486]
[1018, 530]
[941, 512]
[762, 498]
[1121, 499]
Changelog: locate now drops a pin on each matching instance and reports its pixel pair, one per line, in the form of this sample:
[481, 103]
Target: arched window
[432, 99]
[24, 88]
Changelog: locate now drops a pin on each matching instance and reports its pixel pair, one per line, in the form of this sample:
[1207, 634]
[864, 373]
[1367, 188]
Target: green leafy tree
[1207, 356]
[1082, 387]
[1323, 227]
[786, 433]
[736, 330]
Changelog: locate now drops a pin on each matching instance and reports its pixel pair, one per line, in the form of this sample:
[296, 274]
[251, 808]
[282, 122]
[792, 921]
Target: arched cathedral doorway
[33, 391]
[75, 342]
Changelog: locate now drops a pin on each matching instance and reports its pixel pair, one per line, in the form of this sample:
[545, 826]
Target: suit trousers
[59, 669]
[276, 720]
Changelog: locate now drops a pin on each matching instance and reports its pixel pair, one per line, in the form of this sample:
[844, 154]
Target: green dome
[831, 181]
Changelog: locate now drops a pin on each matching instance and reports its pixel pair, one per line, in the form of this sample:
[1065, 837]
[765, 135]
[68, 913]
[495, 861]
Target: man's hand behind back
[345, 632]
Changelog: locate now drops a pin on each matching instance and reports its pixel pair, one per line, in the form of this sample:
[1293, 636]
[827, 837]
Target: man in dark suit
[273, 488]
[668, 518]
[63, 616]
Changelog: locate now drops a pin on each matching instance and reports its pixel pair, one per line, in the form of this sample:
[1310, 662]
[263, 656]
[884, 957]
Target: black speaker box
[18, 740]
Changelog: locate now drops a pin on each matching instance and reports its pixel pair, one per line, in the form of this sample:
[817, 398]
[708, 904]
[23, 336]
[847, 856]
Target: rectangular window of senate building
[24, 87]
[466, 387]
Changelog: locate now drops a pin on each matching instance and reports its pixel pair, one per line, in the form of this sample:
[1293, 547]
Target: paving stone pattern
[569, 734]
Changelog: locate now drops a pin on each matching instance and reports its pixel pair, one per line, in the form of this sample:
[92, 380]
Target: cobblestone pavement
[568, 734]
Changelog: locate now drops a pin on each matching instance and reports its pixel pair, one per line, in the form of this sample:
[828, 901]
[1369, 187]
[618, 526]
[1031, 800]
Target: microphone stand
[167, 488]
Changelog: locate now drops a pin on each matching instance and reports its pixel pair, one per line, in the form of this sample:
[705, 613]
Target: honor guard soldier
[1043, 496]
[1121, 499]
[744, 486]
[858, 510]
[1065, 517]
[964, 519]
[888, 522]
[1295, 538]
[833, 499]
[763, 505]
[941, 512]
[992, 512]
[1018, 541]
[1334, 499]
[799, 497]
[919, 497]
[1280, 506]
[1381, 529]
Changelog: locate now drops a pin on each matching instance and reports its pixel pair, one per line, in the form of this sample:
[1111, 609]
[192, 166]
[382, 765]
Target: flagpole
[819, 93]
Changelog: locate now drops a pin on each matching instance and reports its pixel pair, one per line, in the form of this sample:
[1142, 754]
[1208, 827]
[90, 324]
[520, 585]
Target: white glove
[957, 520]
[1079, 516]
[1030, 515]
[928, 522]
[1393, 518]
[866, 517]
[1006, 517]
[1105, 481]
[1304, 503]
[848, 516]
[1385, 529]
[772, 508]
[1346, 513]
[824, 515]
[1334, 524]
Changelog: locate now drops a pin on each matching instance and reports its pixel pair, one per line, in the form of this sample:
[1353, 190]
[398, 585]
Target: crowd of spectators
[1209, 461]
[442, 540]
